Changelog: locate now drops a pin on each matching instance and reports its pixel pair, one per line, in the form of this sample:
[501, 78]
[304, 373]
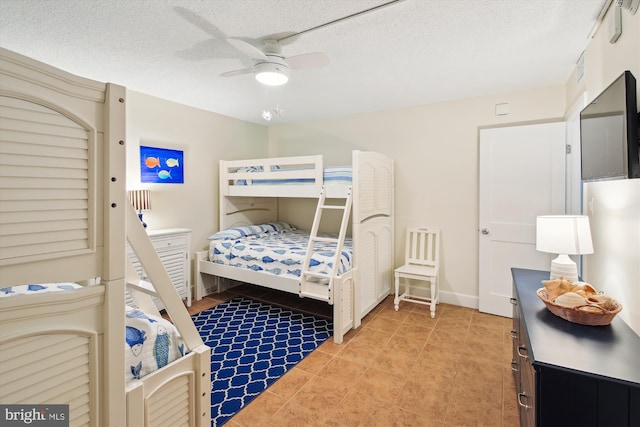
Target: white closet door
[522, 175]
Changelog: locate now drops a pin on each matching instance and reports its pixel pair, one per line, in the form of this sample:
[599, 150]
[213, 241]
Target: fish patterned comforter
[280, 253]
[151, 342]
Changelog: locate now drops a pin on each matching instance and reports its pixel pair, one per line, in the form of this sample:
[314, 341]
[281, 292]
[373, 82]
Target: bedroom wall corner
[205, 138]
[435, 152]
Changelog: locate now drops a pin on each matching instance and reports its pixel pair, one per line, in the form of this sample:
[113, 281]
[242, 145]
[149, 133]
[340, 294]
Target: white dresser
[172, 245]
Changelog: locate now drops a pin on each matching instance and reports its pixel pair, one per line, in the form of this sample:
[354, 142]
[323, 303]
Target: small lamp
[141, 201]
[564, 235]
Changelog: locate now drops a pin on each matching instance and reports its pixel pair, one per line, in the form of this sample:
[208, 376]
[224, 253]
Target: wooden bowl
[590, 315]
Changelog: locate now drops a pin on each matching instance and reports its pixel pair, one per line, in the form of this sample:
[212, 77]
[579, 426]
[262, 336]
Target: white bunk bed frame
[64, 217]
[357, 291]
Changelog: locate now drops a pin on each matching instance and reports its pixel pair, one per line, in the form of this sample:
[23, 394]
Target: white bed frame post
[355, 236]
[113, 398]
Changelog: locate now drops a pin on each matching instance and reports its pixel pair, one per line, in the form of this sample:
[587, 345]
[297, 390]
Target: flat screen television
[609, 144]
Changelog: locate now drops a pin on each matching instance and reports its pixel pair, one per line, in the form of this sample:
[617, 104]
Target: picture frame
[161, 165]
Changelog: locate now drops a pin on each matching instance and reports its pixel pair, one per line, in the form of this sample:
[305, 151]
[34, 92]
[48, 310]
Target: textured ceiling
[410, 53]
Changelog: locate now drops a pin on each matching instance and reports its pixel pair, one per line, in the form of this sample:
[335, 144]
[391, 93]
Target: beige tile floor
[398, 369]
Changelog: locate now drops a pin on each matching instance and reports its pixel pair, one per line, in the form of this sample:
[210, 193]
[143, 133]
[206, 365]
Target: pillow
[236, 232]
[256, 168]
[246, 169]
[275, 227]
[250, 169]
[251, 230]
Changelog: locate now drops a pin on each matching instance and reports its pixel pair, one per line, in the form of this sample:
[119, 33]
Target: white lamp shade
[564, 234]
[140, 199]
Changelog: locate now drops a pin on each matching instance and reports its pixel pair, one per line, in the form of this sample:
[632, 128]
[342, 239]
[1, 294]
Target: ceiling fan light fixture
[271, 74]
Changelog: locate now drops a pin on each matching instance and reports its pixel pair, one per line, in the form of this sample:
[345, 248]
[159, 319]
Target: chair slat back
[423, 246]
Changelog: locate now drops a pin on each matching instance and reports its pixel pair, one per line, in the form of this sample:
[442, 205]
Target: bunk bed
[249, 193]
[64, 219]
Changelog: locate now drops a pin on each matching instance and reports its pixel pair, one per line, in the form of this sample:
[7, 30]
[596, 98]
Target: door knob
[485, 231]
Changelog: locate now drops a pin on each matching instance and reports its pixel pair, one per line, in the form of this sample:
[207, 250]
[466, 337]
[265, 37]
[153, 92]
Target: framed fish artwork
[161, 165]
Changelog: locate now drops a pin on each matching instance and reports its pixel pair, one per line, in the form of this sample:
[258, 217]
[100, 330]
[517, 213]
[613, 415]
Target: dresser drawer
[165, 242]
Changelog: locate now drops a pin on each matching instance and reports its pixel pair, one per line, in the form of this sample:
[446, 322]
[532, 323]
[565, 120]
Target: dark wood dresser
[568, 374]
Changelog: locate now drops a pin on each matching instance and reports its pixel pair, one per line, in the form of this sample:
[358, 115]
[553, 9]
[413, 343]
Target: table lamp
[564, 235]
[141, 201]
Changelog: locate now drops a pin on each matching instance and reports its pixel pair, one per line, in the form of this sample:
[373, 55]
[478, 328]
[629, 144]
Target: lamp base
[144, 224]
[564, 266]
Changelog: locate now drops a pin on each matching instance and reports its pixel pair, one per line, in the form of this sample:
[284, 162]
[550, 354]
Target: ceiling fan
[270, 66]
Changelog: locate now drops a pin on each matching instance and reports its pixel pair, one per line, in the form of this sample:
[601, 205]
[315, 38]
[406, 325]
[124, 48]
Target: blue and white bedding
[280, 252]
[38, 288]
[151, 342]
[332, 175]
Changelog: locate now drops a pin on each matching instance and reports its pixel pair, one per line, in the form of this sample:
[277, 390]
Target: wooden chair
[420, 269]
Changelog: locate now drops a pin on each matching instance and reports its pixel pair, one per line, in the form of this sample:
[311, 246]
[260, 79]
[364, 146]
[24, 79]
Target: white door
[522, 175]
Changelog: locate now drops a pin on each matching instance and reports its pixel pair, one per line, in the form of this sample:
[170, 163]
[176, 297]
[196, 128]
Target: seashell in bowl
[603, 301]
[557, 287]
[570, 299]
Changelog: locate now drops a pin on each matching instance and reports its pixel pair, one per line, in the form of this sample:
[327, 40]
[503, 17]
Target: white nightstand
[172, 245]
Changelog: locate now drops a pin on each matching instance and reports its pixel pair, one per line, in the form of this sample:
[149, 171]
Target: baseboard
[453, 298]
[463, 300]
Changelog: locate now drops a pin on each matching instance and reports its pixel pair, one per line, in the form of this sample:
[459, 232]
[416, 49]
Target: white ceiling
[412, 52]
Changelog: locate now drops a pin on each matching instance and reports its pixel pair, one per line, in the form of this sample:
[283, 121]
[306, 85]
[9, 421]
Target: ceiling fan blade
[248, 49]
[237, 72]
[308, 61]
[199, 22]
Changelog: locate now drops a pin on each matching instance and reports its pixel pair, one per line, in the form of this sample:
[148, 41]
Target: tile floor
[398, 369]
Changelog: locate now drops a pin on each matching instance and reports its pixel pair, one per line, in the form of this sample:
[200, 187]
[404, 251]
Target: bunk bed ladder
[320, 285]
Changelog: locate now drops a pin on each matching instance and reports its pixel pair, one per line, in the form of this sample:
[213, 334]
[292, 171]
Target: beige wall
[435, 148]
[615, 205]
[205, 138]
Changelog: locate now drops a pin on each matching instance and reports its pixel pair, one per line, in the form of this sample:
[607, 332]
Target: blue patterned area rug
[252, 345]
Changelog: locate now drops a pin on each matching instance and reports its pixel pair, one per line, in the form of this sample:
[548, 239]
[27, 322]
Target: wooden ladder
[320, 285]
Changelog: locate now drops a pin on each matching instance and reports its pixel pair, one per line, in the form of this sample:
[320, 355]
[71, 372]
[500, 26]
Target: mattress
[281, 253]
[38, 288]
[331, 175]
